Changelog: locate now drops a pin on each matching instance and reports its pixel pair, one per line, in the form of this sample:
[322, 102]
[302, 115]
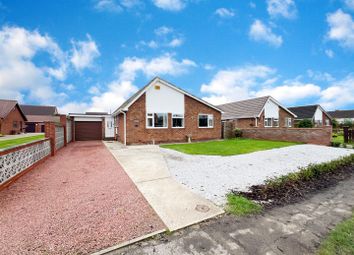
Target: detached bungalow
[315, 113]
[260, 112]
[161, 112]
[12, 119]
[342, 115]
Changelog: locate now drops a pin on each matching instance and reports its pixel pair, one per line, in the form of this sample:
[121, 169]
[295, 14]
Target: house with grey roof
[315, 113]
[260, 112]
[37, 115]
[12, 118]
[342, 115]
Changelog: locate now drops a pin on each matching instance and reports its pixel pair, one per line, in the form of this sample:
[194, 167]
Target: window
[177, 120]
[268, 122]
[14, 124]
[156, 120]
[318, 123]
[288, 122]
[275, 123]
[327, 122]
[206, 120]
[109, 124]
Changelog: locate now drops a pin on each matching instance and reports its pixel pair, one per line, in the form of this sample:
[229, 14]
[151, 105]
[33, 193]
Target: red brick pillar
[49, 129]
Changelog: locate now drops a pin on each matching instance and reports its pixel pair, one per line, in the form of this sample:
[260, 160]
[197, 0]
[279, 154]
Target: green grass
[227, 147]
[18, 141]
[241, 206]
[340, 240]
[339, 139]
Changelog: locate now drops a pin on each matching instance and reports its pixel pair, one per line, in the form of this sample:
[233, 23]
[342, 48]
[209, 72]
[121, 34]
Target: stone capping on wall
[320, 136]
[16, 161]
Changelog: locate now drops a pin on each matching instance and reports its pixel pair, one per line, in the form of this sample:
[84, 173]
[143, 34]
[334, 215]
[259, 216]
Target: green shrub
[348, 123]
[334, 135]
[335, 144]
[238, 132]
[335, 123]
[305, 123]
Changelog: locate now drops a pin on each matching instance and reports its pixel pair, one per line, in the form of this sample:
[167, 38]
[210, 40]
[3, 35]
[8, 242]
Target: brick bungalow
[260, 112]
[342, 115]
[161, 112]
[315, 113]
[12, 119]
[38, 114]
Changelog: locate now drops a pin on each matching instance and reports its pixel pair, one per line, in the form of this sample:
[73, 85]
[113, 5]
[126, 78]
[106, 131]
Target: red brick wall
[321, 136]
[7, 123]
[138, 133]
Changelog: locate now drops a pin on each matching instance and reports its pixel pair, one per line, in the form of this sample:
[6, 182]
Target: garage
[88, 130]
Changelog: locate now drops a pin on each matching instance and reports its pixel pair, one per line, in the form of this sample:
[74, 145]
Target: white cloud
[349, 4]
[235, 84]
[261, 32]
[84, 53]
[341, 28]
[19, 76]
[320, 76]
[338, 94]
[170, 5]
[329, 53]
[107, 6]
[225, 13]
[121, 88]
[176, 42]
[208, 67]
[163, 30]
[165, 37]
[282, 8]
[130, 3]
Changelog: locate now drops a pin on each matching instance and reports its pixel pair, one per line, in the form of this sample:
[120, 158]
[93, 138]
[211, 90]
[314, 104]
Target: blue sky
[92, 55]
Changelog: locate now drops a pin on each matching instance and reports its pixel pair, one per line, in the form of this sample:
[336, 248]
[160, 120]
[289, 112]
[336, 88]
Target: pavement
[175, 204]
[10, 137]
[78, 202]
[293, 230]
[214, 176]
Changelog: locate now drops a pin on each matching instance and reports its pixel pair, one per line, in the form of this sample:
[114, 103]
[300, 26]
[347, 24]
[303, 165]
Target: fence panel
[68, 131]
[59, 137]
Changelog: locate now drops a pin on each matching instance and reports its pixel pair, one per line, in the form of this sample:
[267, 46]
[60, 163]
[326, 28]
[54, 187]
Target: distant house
[261, 112]
[315, 113]
[12, 118]
[37, 115]
[342, 115]
[161, 112]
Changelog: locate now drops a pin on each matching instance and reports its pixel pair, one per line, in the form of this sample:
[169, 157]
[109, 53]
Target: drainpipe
[256, 121]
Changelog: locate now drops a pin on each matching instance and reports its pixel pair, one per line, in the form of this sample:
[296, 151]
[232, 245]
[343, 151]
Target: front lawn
[339, 139]
[340, 240]
[227, 147]
[18, 141]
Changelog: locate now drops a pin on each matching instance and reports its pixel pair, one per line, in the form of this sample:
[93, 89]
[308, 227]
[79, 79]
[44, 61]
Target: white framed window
[268, 122]
[288, 122]
[328, 122]
[275, 122]
[156, 120]
[205, 120]
[177, 120]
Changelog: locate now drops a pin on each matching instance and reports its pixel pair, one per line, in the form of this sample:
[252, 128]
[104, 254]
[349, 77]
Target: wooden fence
[348, 134]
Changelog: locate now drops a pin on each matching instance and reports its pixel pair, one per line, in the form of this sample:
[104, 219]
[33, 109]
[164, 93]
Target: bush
[238, 132]
[335, 144]
[306, 123]
[348, 123]
[335, 123]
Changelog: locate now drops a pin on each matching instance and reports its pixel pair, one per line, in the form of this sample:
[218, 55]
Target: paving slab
[175, 204]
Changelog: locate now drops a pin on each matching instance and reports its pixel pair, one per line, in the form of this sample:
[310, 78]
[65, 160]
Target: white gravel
[214, 176]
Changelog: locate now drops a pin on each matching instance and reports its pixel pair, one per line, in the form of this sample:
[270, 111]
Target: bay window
[177, 120]
[206, 120]
[156, 120]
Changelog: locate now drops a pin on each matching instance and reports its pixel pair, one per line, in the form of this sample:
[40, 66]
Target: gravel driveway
[214, 176]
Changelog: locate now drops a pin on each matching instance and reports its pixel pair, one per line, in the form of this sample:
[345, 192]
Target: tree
[305, 123]
[348, 123]
[335, 123]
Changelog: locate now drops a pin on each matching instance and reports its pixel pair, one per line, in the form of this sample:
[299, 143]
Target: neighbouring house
[316, 113]
[92, 126]
[37, 115]
[161, 112]
[12, 118]
[260, 112]
[342, 115]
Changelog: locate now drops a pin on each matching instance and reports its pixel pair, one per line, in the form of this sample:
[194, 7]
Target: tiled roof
[42, 118]
[249, 108]
[342, 114]
[6, 107]
[304, 112]
[39, 110]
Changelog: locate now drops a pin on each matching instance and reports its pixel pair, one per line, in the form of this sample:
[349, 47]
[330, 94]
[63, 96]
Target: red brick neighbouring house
[161, 112]
[315, 113]
[12, 119]
[260, 112]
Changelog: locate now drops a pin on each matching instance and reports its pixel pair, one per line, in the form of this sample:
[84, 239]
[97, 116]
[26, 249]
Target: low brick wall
[16, 161]
[320, 136]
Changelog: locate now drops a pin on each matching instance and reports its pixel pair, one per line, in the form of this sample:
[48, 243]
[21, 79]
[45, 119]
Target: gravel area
[77, 202]
[214, 176]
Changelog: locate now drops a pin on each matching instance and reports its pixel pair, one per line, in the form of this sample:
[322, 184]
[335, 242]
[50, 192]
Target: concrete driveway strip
[176, 205]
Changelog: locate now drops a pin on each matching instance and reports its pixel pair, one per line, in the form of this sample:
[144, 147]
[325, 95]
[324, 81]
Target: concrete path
[176, 205]
[293, 229]
[10, 137]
